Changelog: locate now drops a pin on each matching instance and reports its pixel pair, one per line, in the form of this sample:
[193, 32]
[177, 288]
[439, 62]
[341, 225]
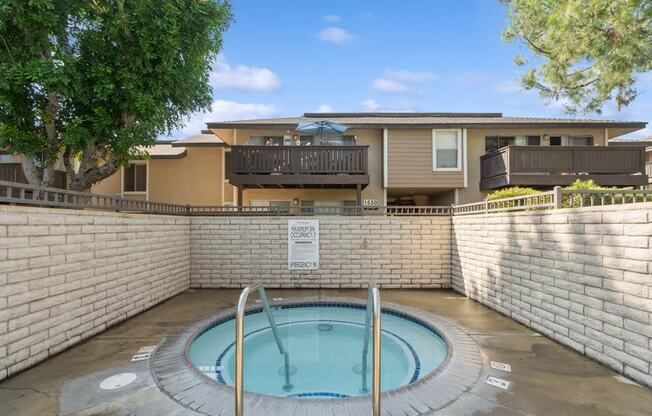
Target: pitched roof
[204, 139]
[407, 120]
[162, 150]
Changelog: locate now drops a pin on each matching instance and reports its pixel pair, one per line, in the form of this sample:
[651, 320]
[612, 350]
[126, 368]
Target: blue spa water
[325, 362]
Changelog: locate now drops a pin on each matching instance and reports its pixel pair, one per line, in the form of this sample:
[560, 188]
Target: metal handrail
[373, 310]
[239, 344]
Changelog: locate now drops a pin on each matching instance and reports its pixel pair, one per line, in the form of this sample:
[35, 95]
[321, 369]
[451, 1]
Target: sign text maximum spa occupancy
[303, 244]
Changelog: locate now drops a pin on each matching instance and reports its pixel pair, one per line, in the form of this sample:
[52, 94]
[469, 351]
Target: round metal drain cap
[117, 381]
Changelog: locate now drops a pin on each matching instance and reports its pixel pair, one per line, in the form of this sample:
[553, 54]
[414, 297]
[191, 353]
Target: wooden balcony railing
[561, 165]
[299, 160]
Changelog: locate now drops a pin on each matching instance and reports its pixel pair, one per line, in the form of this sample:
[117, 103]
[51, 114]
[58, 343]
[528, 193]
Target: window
[306, 140]
[227, 163]
[493, 143]
[338, 141]
[5, 157]
[446, 153]
[307, 207]
[265, 140]
[580, 141]
[571, 141]
[135, 177]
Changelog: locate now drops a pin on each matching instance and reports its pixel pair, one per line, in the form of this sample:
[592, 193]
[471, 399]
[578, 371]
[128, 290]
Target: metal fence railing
[24, 194]
[572, 198]
[543, 200]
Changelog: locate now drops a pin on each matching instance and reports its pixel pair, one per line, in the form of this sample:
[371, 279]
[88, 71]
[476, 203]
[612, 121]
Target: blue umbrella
[323, 128]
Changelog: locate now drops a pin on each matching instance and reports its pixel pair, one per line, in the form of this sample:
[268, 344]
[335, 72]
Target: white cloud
[225, 110]
[389, 86]
[324, 108]
[415, 77]
[336, 35]
[242, 77]
[369, 105]
[331, 18]
[509, 86]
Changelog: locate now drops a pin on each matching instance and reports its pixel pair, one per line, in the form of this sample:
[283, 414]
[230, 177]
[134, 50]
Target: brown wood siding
[409, 163]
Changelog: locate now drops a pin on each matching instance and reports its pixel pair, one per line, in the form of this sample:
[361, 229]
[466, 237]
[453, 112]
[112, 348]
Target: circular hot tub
[325, 347]
[422, 353]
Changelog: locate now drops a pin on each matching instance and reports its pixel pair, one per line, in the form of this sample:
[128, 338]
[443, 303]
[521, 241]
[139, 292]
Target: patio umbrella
[323, 128]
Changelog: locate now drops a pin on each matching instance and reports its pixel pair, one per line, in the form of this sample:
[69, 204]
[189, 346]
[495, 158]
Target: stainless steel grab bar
[373, 309]
[239, 344]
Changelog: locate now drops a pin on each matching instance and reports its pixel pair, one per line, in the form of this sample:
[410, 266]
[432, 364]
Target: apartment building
[381, 159]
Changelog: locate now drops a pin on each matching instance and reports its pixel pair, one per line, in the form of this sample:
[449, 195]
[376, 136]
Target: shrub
[606, 199]
[511, 192]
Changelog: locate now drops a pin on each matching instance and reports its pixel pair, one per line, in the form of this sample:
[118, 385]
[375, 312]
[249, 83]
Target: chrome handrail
[373, 309]
[239, 344]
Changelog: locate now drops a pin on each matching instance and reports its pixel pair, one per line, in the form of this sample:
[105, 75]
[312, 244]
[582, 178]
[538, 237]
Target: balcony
[562, 165]
[298, 167]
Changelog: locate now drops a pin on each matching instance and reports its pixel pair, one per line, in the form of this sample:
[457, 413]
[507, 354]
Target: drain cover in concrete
[140, 356]
[501, 366]
[117, 381]
[498, 382]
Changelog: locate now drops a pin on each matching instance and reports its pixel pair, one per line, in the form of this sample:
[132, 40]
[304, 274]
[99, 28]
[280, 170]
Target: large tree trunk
[36, 176]
[96, 164]
[30, 170]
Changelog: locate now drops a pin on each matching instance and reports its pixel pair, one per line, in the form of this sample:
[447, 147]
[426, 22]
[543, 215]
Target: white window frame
[458, 132]
[122, 179]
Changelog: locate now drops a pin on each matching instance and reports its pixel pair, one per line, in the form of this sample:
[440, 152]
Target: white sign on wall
[303, 244]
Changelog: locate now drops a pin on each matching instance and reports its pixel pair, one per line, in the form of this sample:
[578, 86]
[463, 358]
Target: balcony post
[240, 202]
[557, 197]
[358, 195]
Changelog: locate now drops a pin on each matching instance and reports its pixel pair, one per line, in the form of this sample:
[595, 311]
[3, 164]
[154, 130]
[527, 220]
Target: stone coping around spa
[180, 380]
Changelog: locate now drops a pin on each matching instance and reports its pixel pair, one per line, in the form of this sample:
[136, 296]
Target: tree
[585, 52]
[94, 82]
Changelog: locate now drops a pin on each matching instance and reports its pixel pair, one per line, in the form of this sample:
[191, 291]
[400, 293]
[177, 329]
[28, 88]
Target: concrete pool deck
[545, 379]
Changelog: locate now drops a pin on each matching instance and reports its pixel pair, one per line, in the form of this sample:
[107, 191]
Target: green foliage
[588, 199]
[98, 80]
[511, 192]
[585, 52]
[587, 184]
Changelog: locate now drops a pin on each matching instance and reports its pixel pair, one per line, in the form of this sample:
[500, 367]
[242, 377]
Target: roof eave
[172, 156]
[200, 144]
[637, 125]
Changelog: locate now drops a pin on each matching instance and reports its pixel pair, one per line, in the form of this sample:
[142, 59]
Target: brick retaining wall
[398, 252]
[581, 277]
[66, 275]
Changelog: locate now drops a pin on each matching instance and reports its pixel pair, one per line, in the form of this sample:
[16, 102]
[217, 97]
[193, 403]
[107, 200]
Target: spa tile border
[182, 382]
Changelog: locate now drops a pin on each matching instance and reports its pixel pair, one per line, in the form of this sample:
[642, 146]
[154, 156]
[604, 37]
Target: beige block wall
[581, 277]
[396, 252]
[66, 275]
[476, 146]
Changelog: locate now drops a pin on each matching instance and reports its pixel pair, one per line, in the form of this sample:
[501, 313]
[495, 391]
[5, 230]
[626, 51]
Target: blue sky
[285, 57]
